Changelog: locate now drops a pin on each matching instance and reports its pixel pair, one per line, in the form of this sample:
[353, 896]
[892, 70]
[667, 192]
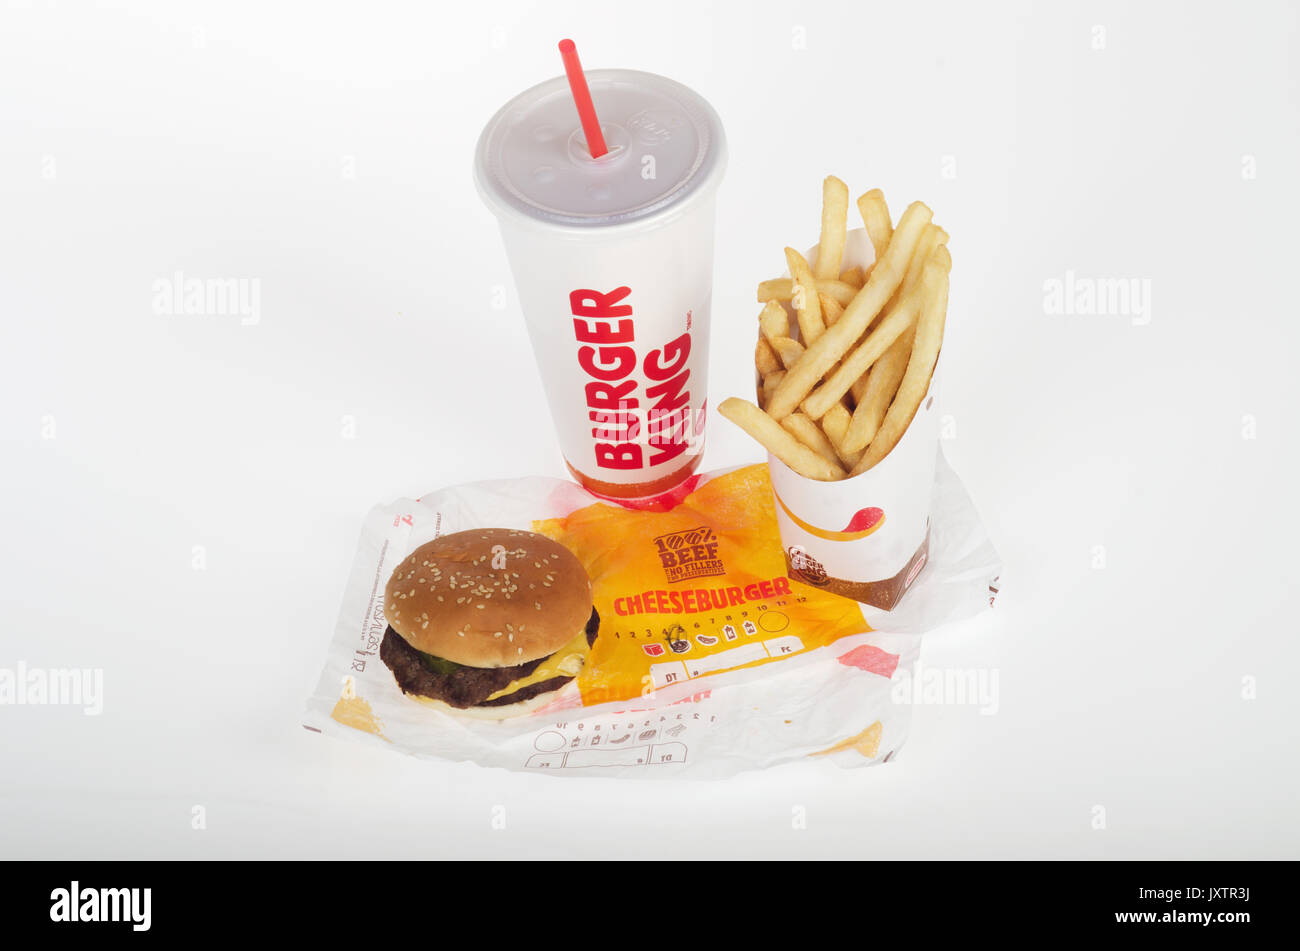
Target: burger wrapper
[866, 537]
[709, 660]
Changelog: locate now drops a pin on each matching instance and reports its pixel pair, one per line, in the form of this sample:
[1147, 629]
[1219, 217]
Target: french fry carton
[866, 537]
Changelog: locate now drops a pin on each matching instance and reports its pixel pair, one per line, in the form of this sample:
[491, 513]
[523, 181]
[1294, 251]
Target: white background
[216, 139]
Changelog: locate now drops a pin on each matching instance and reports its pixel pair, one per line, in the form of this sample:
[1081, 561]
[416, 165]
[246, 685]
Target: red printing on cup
[604, 329]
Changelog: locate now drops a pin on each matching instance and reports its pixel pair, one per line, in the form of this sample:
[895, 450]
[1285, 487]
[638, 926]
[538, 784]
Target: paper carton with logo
[865, 537]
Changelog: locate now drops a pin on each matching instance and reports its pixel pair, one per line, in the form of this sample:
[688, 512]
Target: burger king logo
[806, 567]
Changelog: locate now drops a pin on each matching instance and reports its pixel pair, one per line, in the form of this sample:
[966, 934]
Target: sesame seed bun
[489, 597]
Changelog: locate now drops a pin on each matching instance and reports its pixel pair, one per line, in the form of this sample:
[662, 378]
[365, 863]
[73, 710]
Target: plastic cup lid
[665, 144]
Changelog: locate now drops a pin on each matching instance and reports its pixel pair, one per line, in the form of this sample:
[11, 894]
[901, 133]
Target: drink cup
[612, 258]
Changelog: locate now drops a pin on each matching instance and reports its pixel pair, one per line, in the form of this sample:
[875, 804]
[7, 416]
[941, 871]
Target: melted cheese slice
[565, 662]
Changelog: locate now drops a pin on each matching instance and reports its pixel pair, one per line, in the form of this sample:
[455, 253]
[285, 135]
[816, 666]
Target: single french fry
[853, 277]
[877, 393]
[875, 215]
[782, 289]
[773, 321]
[831, 309]
[779, 442]
[842, 293]
[832, 345]
[807, 305]
[775, 289]
[835, 424]
[835, 214]
[789, 351]
[859, 388]
[920, 367]
[770, 383]
[765, 359]
[807, 432]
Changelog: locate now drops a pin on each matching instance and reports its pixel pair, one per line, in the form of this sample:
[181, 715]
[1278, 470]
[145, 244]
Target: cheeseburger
[490, 622]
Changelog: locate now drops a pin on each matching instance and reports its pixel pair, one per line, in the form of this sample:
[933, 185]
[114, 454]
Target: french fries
[769, 385]
[894, 324]
[832, 345]
[831, 309]
[920, 367]
[836, 424]
[835, 213]
[765, 359]
[874, 396]
[782, 289]
[807, 304]
[787, 350]
[773, 321]
[807, 432]
[778, 442]
[875, 216]
[839, 384]
[887, 373]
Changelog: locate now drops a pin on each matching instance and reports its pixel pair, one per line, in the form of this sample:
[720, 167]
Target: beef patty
[467, 686]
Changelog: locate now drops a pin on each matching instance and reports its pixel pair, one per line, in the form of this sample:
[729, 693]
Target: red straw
[582, 99]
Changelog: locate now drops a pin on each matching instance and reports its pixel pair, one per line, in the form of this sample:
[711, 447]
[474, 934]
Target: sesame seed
[538, 603]
[425, 624]
[519, 649]
[512, 637]
[482, 606]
